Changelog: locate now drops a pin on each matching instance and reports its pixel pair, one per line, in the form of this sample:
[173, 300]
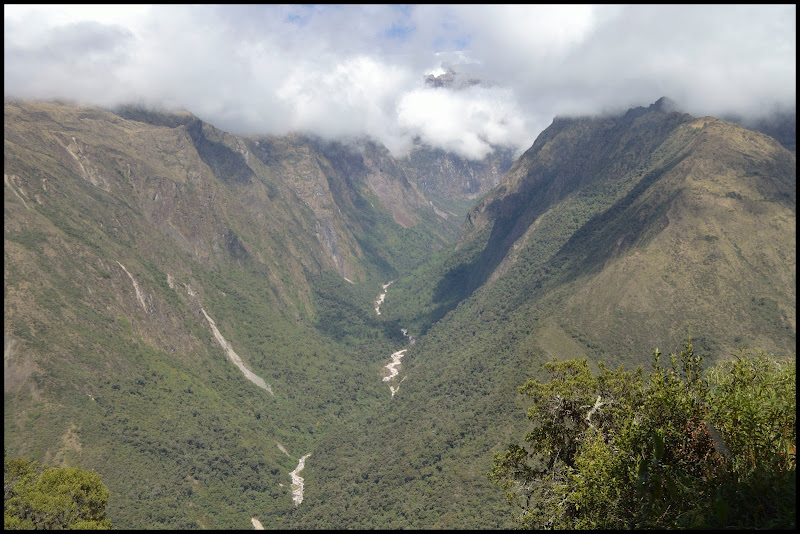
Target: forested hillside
[186, 311]
[610, 237]
[189, 312]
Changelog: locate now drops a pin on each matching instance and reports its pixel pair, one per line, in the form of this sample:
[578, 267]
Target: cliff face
[447, 177]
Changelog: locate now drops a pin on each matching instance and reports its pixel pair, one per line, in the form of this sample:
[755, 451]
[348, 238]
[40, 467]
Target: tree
[53, 497]
[675, 448]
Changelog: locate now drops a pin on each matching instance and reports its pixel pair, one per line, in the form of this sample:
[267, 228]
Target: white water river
[297, 481]
[397, 357]
[393, 372]
[297, 486]
[382, 296]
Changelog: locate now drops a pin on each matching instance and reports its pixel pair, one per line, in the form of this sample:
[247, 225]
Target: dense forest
[678, 447]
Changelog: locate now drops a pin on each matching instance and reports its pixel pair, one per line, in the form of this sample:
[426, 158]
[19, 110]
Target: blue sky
[352, 70]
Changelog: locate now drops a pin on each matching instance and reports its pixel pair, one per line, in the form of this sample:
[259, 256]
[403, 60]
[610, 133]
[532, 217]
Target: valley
[608, 237]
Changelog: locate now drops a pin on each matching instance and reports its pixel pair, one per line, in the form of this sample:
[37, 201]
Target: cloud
[707, 58]
[469, 122]
[348, 98]
[353, 70]
[78, 57]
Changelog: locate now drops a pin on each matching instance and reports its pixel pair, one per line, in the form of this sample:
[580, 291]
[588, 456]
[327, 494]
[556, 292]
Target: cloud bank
[350, 70]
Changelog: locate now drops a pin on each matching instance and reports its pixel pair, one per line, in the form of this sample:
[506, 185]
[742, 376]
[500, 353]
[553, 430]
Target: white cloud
[354, 96]
[348, 70]
[468, 122]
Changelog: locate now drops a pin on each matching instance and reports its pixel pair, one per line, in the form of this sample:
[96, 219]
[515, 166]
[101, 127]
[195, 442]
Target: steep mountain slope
[187, 311]
[780, 124]
[454, 183]
[676, 221]
[191, 313]
[649, 188]
[610, 237]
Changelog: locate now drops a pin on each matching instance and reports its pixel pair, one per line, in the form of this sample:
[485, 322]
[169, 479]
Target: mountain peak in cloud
[453, 77]
[664, 105]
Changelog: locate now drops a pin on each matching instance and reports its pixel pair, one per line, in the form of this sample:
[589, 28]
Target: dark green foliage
[52, 498]
[677, 448]
[235, 247]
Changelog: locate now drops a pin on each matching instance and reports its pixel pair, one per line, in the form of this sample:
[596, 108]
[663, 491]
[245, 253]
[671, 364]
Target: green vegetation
[285, 244]
[675, 448]
[558, 291]
[52, 498]
[139, 389]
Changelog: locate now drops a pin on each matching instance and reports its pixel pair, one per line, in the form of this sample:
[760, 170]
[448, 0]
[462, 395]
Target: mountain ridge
[132, 268]
[143, 253]
[691, 235]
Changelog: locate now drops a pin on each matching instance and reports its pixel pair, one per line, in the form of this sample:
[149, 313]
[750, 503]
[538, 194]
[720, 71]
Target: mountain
[608, 238]
[452, 182]
[197, 315]
[455, 77]
[673, 220]
[780, 124]
[642, 193]
[183, 305]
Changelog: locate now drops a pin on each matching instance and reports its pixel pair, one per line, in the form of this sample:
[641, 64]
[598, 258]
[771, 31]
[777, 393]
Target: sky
[346, 71]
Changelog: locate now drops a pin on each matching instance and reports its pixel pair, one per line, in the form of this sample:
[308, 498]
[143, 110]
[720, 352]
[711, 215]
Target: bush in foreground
[676, 448]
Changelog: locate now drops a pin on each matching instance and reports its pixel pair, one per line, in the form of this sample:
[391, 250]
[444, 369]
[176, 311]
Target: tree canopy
[676, 448]
[52, 497]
